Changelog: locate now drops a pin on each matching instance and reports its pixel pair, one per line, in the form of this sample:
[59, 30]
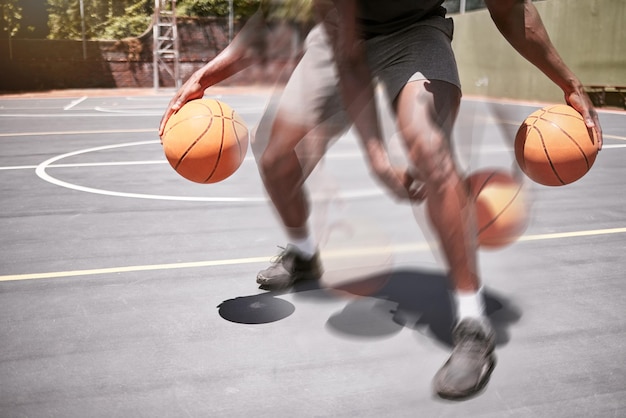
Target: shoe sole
[475, 390]
[268, 284]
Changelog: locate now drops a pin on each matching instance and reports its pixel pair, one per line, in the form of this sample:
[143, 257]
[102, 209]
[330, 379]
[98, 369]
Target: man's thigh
[427, 107]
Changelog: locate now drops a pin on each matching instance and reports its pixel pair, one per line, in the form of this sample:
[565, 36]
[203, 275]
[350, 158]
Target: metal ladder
[165, 42]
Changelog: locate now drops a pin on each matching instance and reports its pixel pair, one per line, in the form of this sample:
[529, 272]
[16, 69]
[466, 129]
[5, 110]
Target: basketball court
[126, 290]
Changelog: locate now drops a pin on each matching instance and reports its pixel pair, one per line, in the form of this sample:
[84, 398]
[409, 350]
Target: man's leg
[294, 135]
[283, 177]
[288, 158]
[426, 111]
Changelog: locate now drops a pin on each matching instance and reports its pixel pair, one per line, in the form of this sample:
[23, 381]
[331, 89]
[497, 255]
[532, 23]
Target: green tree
[10, 20]
[117, 19]
[64, 19]
[296, 10]
[10, 17]
[103, 18]
[219, 8]
[134, 20]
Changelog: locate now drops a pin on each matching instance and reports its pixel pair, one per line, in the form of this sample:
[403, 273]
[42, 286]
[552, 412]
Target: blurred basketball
[501, 207]
[205, 141]
[554, 147]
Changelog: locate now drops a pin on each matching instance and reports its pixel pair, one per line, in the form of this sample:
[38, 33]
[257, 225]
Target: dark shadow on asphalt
[419, 300]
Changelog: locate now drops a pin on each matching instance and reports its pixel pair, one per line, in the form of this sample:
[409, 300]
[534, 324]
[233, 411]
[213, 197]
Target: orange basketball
[554, 147]
[205, 141]
[500, 205]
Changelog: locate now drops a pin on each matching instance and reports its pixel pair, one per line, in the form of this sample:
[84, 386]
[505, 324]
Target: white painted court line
[19, 167]
[402, 248]
[126, 111]
[75, 165]
[94, 132]
[330, 156]
[41, 173]
[75, 115]
[74, 103]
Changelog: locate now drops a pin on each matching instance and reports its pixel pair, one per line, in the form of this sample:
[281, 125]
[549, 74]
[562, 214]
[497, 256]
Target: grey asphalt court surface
[127, 291]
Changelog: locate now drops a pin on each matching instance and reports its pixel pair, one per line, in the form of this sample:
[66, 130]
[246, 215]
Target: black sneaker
[289, 267]
[469, 367]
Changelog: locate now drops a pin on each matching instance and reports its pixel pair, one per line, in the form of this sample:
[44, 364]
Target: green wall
[589, 34]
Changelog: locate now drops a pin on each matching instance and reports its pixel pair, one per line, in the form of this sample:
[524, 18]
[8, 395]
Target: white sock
[306, 246]
[469, 304]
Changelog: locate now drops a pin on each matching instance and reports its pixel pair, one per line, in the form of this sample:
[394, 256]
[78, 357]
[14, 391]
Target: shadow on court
[408, 298]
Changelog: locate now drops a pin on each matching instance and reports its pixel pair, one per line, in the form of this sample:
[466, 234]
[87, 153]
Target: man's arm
[243, 51]
[355, 83]
[520, 23]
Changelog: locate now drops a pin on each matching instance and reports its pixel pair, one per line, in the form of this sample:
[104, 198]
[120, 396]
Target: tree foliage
[218, 8]
[112, 19]
[10, 16]
[10, 21]
[295, 10]
[116, 19]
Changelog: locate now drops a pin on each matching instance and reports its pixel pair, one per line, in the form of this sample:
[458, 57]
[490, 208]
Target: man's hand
[580, 101]
[403, 183]
[191, 90]
[520, 23]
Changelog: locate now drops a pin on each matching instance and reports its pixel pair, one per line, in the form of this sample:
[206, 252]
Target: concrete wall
[589, 34]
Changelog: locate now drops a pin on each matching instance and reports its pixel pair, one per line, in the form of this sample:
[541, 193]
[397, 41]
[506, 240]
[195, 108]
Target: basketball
[554, 147]
[205, 141]
[500, 205]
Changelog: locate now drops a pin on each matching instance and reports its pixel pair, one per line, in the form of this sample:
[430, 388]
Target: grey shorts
[421, 51]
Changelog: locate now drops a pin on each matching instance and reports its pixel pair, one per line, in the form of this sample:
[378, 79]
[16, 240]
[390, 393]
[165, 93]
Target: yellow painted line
[251, 260]
[129, 269]
[575, 234]
[197, 264]
[107, 131]
[621, 138]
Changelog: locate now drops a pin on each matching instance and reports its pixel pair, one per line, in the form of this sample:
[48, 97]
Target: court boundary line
[41, 172]
[363, 251]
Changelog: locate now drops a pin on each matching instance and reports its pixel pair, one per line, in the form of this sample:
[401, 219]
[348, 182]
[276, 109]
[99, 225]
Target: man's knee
[434, 162]
[268, 162]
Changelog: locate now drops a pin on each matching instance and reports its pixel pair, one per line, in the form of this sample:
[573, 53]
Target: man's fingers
[595, 125]
[174, 107]
[592, 122]
[417, 191]
[582, 103]
[404, 186]
[168, 113]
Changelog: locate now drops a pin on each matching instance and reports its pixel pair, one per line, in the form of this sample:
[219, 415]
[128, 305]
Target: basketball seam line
[567, 134]
[193, 144]
[576, 118]
[480, 189]
[219, 154]
[545, 149]
[236, 122]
